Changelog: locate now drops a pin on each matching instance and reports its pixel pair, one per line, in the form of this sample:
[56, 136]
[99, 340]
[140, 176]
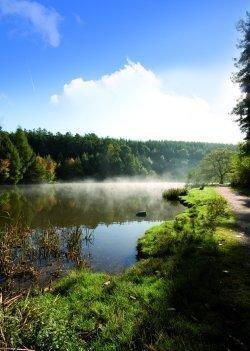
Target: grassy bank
[189, 291]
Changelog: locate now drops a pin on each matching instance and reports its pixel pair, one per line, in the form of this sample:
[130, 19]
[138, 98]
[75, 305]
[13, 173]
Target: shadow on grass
[207, 304]
[190, 292]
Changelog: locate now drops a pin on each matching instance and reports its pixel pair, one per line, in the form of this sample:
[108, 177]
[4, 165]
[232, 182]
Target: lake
[74, 224]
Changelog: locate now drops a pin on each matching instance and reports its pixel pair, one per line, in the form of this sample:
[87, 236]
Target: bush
[240, 170]
[173, 194]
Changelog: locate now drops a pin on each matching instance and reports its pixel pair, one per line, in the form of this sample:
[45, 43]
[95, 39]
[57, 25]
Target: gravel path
[241, 207]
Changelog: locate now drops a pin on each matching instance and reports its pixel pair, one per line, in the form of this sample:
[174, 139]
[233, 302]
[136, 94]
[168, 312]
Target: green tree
[71, 168]
[4, 170]
[241, 161]
[26, 153]
[215, 167]
[240, 168]
[242, 77]
[42, 170]
[9, 155]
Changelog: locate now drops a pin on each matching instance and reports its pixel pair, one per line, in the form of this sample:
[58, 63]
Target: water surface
[94, 222]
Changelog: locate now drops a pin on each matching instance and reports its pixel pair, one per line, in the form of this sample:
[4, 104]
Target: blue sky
[139, 69]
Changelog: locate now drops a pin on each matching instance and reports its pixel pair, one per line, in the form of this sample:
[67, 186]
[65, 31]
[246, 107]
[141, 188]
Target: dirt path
[241, 208]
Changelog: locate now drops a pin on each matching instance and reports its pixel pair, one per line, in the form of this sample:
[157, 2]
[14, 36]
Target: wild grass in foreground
[189, 291]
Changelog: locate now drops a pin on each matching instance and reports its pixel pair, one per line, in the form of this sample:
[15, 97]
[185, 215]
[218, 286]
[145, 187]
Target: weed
[173, 194]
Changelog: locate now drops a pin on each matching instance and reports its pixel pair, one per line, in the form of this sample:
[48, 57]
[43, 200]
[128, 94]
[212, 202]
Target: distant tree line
[41, 156]
[19, 163]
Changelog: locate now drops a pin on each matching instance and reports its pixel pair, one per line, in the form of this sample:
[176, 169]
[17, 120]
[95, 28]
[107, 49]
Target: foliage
[10, 161]
[4, 170]
[189, 293]
[240, 169]
[42, 170]
[25, 151]
[71, 168]
[174, 193]
[214, 167]
[78, 157]
[241, 162]
[242, 109]
[105, 157]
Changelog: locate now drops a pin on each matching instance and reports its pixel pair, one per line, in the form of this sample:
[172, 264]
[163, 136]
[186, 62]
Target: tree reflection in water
[47, 229]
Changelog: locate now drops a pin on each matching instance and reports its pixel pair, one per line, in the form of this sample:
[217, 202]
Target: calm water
[96, 222]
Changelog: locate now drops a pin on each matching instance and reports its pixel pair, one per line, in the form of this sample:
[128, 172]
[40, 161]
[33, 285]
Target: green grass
[174, 194]
[189, 291]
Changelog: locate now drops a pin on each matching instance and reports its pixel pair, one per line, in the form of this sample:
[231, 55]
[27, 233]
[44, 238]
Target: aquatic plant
[174, 194]
[37, 256]
[190, 292]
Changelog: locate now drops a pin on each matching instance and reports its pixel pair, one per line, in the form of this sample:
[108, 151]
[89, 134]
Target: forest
[40, 156]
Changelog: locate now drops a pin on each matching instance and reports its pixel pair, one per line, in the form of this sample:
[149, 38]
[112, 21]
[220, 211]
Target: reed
[173, 194]
[31, 257]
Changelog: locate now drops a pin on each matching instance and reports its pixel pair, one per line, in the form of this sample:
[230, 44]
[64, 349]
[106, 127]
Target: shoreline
[189, 291]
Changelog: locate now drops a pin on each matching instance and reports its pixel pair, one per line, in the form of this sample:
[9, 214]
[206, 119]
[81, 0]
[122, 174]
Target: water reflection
[68, 225]
[87, 204]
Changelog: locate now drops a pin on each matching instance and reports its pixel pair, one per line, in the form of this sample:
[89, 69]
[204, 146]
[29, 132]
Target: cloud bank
[134, 102]
[39, 18]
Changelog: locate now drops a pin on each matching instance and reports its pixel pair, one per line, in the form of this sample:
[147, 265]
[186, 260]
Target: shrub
[240, 170]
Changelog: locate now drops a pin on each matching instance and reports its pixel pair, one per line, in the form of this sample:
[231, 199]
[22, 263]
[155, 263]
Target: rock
[141, 214]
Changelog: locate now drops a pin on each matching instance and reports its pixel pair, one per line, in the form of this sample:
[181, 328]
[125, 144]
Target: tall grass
[174, 194]
[32, 257]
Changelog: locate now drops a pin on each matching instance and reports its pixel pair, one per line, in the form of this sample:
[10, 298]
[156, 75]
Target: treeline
[41, 156]
[19, 163]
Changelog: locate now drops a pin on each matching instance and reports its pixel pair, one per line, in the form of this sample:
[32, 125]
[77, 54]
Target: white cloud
[134, 102]
[40, 19]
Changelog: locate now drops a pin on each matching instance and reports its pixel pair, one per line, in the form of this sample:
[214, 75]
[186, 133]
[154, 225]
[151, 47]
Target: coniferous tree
[42, 170]
[10, 155]
[241, 161]
[242, 77]
[26, 153]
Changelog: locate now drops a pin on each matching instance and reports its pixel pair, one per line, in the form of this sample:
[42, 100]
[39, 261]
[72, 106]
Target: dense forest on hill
[39, 156]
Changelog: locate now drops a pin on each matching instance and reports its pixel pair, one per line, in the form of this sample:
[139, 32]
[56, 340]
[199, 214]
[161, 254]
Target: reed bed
[34, 258]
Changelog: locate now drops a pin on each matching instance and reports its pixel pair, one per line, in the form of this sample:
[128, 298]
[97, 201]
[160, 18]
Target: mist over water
[106, 211]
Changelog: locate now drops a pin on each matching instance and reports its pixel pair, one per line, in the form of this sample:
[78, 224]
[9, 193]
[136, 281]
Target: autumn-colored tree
[9, 157]
[42, 170]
